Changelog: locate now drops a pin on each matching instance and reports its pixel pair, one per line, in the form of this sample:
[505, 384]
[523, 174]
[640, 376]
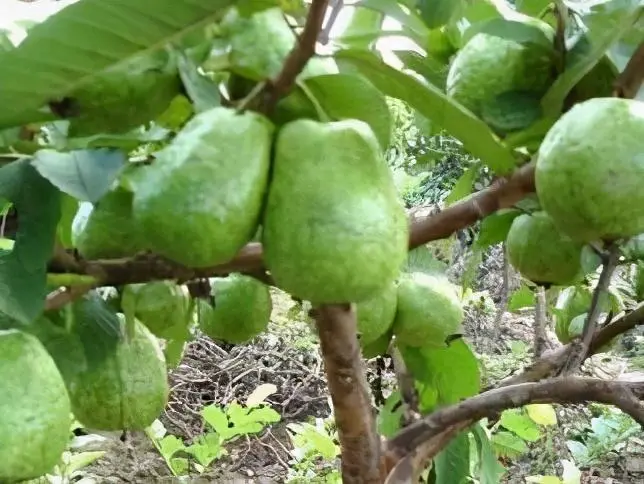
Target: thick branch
[345, 372]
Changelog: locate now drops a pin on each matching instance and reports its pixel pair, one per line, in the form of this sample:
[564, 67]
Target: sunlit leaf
[542, 413]
[521, 298]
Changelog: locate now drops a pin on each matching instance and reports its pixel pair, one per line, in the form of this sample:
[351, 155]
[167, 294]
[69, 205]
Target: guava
[429, 310]
[334, 228]
[541, 253]
[125, 96]
[242, 309]
[106, 229]
[488, 66]
[377, 347]
[125, 389]
[201, 200]
[589, 180]
[162, 306]
[572, 302]
[376, 315]
[35, 408]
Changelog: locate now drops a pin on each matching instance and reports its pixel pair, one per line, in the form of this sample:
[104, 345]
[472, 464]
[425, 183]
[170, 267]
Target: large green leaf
[463, 186]
[490, 469]
[346, 96]
[73, 47]
[407, 18]
[84, 174]
[203, 92]
[430, 68]
[495, 227]
[23, 271]
[428, 100]
[452, 464]
[436, 13]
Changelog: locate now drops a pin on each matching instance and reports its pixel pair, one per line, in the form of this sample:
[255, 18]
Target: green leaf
[421, 259]
[620, 20]
[542, 414]
[430, 68]
[206, 449]
[390, 415]
[532, 7]
[346, 96]
[490, 469]
[82, 459]
[203, 93]
[170, 445]
[363, 27]
[436, 13]
[517, 31]
[88, 37]
[463, 186]
[84, 174]
[216, 418]
[68, 209]
[543, 480]
[23, 271]
[495, 227]
[173, 352]
[520, 424]
[521, 298]
[407, 18]
[452, 464]
[476, 136]
[509, 445]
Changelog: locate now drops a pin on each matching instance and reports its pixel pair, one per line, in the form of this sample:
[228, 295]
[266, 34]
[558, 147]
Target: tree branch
[351, 399]
[630, 80]
[540, 337]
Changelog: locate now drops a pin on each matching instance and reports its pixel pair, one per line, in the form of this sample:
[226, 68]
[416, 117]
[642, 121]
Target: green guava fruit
[541, 253]
[488, 66]
[334, 228]
[124, 96]
[572, 302]
[242, 309]
[376, 315]
[589, 180]
[429, 310]
[200, 201]
[35, 408]
[125, 389]
[378, 347]
[162, 306]
[106, 229]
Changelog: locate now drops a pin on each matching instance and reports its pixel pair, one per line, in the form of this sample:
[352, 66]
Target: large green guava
[376, 315]
[242, 309]
[429, 310]
[127, 388]
[488, 66]
[334, 228]
[106, 229]
[162, 306]
[125, 96]
[589, 179]
[541, 253]
[201, 200]
[35, 408]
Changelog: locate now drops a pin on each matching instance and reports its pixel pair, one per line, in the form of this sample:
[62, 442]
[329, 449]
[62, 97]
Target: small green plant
[314, 454]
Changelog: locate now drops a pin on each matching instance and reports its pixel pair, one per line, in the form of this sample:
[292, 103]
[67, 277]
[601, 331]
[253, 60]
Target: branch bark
[630, 80]
[540, 337]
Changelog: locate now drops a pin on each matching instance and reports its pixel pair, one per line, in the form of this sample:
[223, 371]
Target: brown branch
[336, 7]
[630, 80]
[624, 395]
[540, 337]
[359, 440]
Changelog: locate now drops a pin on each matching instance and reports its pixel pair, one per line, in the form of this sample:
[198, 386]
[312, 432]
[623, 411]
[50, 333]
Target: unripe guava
[429, 310]
[125, 389]
[161, 306]
[334, 228]
[488, 66]
[376, 315]
[541, 253]
[589, 179]
[106, 229]
[200, 201]
[242, 309]
[35, 408]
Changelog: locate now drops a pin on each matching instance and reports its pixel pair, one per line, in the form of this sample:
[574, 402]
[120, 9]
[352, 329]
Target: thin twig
[408, 393]
[630, 80]
[540, 338]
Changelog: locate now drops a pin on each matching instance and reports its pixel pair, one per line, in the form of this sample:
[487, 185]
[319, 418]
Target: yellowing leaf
[260, 393]
[542, 413]
[543, 479]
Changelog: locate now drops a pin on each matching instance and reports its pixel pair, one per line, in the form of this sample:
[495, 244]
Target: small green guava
[162, 306]
[335, 229]
[541, 253]
[201, 200]
[589, 180]
[242, 309]
[488, 66]
[429, 310]
[106, 229]
[35, 408]
[376, 315]
[126, 389]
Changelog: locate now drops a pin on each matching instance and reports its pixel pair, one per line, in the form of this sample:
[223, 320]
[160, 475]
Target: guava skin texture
[375, 316]
[589, 180]
[35, 408]
[201, 200]
[242, 309]
[127, 390]
[488, 66]
[429, 310]
[334, 228]
[106, 229]
[541, 253]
